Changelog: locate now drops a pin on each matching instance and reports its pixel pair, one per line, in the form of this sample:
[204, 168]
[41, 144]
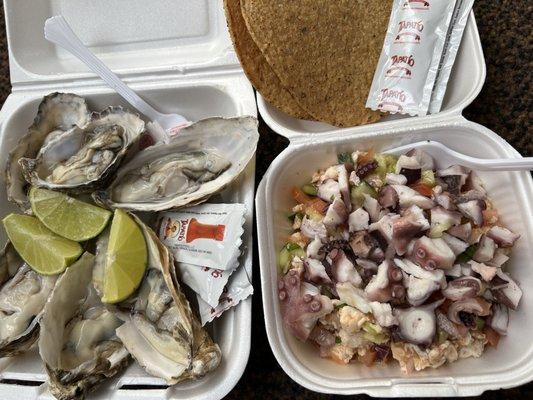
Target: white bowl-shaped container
[510, 364]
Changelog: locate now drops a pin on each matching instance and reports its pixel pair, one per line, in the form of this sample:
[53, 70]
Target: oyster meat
[161, 333]
[81, 158]
[23, 294]
[78, 343]
[200, 161]
[58, 112]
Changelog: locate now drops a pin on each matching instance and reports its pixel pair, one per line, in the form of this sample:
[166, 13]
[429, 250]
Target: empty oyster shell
[58, 112]
[162, 334]
[81, 158]
[198, 162]
[23, 294]
[78, 343]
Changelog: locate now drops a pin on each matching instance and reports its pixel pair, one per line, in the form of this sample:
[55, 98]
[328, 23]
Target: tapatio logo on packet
[400, 66]
[416, 4]
[409, 31]
[392, 100]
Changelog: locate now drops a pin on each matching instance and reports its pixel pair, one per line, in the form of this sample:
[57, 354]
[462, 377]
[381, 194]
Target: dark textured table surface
[504, 105]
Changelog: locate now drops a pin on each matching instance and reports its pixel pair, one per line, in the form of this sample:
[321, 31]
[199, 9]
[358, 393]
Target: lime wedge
[43, 250]
[66, 216]
[126, 258]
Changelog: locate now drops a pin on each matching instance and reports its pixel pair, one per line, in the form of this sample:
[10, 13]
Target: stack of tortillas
[312, 59]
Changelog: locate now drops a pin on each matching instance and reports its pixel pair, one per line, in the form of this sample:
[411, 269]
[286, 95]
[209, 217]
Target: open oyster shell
[23, 294]
[162, 333]
[78, 343]
[81, 158]
[198, 162]
[58, 112]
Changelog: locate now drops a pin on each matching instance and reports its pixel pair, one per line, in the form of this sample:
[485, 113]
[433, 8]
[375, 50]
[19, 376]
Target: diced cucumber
[309, 189]
[442, 336]
[467, 254]
[287, 253]
[480, 324]
[357, 193]
[428, 178]
[292, 246]
[438, 228]
[344, 158]
[386, 164]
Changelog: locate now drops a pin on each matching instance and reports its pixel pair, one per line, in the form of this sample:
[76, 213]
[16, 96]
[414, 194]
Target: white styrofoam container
[314, 145]
[179, 57]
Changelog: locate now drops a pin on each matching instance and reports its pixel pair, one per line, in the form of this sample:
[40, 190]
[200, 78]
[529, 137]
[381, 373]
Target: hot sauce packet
[207, 235]
[237, 290]
[409, 64]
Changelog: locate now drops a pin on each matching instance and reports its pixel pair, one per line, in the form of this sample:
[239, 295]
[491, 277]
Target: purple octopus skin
[388, 198]
[404, 229]
[322, 337]
[499, 319]
[474, 305]
[300, 311]
[344, 186]
[510, 294]
[462, 288]
[372, 207]
[473, 210]
[362, 244]
[432, 254]
[412, 174]
[473, 182]
[502, 236]
[470, 195]
[418, 325]
[447, 326]
[455, 170]
[462, 232]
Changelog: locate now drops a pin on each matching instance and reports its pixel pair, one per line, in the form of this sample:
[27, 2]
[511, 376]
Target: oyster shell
[78, 343]
[58, 112]
[81, 158]
[161, 333]
[200, 161]
[23, 294]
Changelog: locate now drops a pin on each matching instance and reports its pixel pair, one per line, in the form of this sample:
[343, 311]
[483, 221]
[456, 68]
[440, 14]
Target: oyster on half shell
[198, 162]
[162, 333]
[78, 343]
[23, 294]
[58, 112]
[81, 158]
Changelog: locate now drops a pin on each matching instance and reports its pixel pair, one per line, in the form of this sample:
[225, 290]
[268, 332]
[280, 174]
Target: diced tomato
[315, 203]
[490, 217]
[493, 337]
[368, 358]
[366, 158]
[422, 188]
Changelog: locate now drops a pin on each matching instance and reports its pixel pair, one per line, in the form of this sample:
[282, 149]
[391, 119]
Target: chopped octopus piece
[473, 210]
[455, 271]
[407, 162]
[425, 161]
[376, 290]
[395, 179]
[463, 288]
[462, 232]
[433, 253]
[372, 206]
[411, 268]
[313, 249]
[313, 229]
[353, 296]
[362, 244]
[419, 290]
[300, 310]
[499, 258]
[474, 305]
[329, 190]
[487, 272]
[336, 214]
[408, 197]
[343, 270]
[383, 314]
[404, 229]
[473, 182]
[446, 325]
[354, 179]
[322, 337]
[469, 196]
[388, 198]
[442, 219]
[503, 236]
[384, 226]
[344, 186]
[445, 200]
[358, 220]
[418, 325]
[454, 177]
[485, 250]
[367, 264]
[412, 174]
[315, 271]
[499, 319]
[456, 244]
[510, 294]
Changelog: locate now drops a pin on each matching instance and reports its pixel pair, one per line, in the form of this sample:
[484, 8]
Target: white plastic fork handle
[481, 164]
[58, 31]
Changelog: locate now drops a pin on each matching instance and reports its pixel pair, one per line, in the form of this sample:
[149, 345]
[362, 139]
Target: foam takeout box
[315, 145]
[179, 57]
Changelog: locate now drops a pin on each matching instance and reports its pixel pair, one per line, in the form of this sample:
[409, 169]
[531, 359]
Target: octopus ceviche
[392, 258]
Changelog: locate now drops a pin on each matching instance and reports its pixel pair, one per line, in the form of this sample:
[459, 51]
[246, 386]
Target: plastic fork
[447, 157]
[58, 31]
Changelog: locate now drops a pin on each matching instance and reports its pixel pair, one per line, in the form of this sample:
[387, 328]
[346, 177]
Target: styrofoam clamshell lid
[129, 36]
